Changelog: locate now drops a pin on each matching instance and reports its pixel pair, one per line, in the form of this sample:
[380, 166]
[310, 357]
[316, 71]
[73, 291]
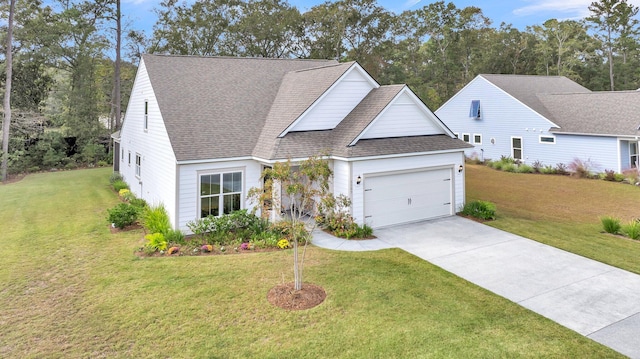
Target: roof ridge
[239, 57]
[350, 63]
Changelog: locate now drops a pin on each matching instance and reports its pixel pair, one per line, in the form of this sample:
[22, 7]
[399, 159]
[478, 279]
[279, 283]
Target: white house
[199, 131]
[550, 119]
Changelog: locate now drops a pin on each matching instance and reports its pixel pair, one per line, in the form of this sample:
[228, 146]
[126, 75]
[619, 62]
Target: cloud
[410, 3]
[566, 8]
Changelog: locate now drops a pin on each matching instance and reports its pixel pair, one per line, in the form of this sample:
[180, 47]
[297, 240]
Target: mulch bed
[132, 227]
[285, 297]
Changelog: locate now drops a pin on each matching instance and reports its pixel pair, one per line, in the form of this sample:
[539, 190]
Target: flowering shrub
[283, 243]
[206, 248]
[123, 192]
[173, 250]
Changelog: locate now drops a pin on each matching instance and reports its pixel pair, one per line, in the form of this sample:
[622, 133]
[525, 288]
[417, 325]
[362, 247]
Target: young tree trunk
[6, 124]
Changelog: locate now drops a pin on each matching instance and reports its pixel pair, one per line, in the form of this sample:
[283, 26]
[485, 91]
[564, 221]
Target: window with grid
[220, 193]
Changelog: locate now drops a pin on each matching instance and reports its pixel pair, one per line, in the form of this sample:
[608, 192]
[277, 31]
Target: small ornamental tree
[301, 188]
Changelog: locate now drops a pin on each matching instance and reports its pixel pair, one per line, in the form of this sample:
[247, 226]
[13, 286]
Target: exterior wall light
[359, 180]
[460, 168]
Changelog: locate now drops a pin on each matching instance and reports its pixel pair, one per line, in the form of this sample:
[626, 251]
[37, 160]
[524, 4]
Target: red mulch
[285, 297]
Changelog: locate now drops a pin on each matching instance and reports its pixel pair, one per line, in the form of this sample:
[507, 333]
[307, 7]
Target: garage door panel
[406, 197]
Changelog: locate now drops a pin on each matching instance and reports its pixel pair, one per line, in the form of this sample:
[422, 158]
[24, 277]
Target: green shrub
[537, 166]
[480, 209]
[115, 176]
[610, 224]
[175, 236]
[123, 215]
[236, 226]
[609, 175]
[156, 241]
[136, 202]
[155, 219]
[631, 229]
[509, 167]
[548, 170]
[119, 184]
[524, 168]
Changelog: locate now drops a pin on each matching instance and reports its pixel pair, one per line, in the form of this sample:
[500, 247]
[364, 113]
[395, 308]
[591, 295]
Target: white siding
[189, 181]
[403, 117]
[157, 181]
[368, 167]
[336, 104]
[342, 178]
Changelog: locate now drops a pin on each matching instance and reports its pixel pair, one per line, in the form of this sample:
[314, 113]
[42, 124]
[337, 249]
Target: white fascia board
[354, 67]
[398, 155]
[416, 100]
[214, 160]
[591, 134]
[520, 102]
[477, 78]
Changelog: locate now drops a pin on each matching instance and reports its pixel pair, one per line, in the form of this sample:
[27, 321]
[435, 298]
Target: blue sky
[520, 13]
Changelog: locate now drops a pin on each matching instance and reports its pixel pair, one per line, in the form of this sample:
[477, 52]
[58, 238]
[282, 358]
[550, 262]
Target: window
[633, 154]
[146, 115]
[466, 137]
[477, 139]
[474, 112]
[138, 164]
[516, 147]
[220, 193]
[129, 159]
[548, 139]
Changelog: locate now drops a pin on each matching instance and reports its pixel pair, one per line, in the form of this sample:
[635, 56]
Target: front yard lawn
[561, 211]
[69, 288]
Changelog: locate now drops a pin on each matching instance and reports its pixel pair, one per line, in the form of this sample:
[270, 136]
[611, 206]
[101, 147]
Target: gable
[336, 103]
[403, 117]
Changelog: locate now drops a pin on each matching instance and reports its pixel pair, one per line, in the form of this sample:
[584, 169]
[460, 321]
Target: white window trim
[637, 155]
[221, 172]
[474, 139]
[521, 147]
[138, 165]
[547, 143]
[468, 136]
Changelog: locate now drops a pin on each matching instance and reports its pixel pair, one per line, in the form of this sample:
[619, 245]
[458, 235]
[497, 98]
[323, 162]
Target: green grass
[69, 288]
[561, 211]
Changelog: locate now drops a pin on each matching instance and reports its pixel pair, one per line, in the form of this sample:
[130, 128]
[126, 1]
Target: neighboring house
[199, 131]
[549, 119]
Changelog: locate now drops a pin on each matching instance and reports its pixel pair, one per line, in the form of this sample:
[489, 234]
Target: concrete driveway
[596, 300]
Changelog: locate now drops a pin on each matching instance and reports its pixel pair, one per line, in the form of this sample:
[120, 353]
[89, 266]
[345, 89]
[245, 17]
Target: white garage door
[407, 197]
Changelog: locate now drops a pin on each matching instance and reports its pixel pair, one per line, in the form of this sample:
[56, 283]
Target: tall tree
[609, 17]
[6, 123]
[201, 28]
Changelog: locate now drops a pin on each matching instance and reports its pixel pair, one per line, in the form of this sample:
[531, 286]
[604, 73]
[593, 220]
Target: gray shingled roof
[525, 88]
[214, 107]
[221, 107]
[298, 91]
[601, 113]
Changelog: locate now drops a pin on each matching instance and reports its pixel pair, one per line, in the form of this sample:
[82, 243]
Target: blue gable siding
[504, 117]
[501, 118]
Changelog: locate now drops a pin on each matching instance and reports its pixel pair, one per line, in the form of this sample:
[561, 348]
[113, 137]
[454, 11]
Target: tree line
[68, 74]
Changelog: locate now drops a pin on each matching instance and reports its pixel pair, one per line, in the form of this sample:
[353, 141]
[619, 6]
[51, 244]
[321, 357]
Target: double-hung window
[138, 164]
[220, 193]
[477, 139]
[466, 137]
[516, 147]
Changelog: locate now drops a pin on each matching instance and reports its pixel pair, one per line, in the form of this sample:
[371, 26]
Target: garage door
[407, 197]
